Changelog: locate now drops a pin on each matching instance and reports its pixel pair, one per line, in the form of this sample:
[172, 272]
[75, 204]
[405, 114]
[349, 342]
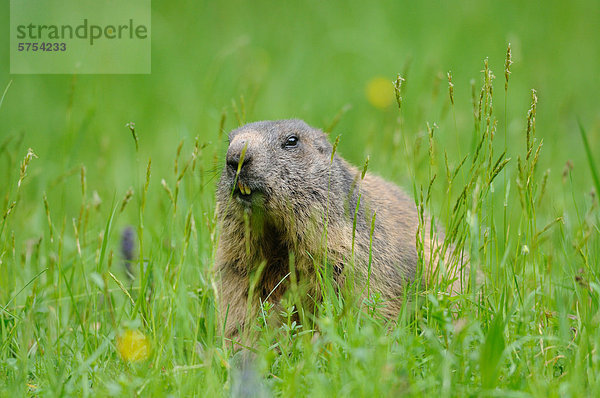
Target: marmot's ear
[322, 142]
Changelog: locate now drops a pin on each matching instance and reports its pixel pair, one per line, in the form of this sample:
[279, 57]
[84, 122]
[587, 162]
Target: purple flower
[128, 248]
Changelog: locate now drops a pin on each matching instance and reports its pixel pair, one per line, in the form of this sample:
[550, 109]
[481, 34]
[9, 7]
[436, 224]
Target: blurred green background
[309, 60]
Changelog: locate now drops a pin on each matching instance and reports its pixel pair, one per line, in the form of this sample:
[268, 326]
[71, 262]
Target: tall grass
[525, 322]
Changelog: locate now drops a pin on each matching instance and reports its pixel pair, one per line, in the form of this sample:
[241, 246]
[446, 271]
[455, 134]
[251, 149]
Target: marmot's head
[284, 167]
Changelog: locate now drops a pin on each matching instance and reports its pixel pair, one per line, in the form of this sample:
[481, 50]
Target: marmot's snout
[242, 177]
[234, 155]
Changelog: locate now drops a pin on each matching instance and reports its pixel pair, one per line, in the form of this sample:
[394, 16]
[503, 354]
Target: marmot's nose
[233, 157]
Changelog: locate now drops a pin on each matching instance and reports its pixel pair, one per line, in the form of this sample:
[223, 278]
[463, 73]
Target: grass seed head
[24, 164]
[126, 199]
[168, 190]
[83, 181]
[362, 176]
[451, 88]
[531, 120]
[398, 90]
[131, 126]
[507, 65]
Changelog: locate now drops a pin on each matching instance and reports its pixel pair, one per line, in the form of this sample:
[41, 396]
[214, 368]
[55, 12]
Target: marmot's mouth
[244, 189]
[244, 194]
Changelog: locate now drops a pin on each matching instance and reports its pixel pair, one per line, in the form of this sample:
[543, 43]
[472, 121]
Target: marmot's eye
[291, 141]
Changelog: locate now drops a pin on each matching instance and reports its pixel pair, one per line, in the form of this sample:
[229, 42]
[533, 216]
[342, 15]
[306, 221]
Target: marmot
[282, 192]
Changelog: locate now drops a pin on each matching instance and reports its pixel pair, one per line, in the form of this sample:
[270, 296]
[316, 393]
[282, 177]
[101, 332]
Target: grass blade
[588, 152]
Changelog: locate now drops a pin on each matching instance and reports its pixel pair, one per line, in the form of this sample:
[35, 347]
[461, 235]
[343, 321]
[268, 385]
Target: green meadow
[107, 201]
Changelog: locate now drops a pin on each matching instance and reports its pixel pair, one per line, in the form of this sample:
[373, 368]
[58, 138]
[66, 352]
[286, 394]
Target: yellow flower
[133, 346]
[380, 92]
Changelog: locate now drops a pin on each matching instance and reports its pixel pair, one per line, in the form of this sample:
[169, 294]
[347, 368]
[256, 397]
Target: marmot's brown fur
[290, 196]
